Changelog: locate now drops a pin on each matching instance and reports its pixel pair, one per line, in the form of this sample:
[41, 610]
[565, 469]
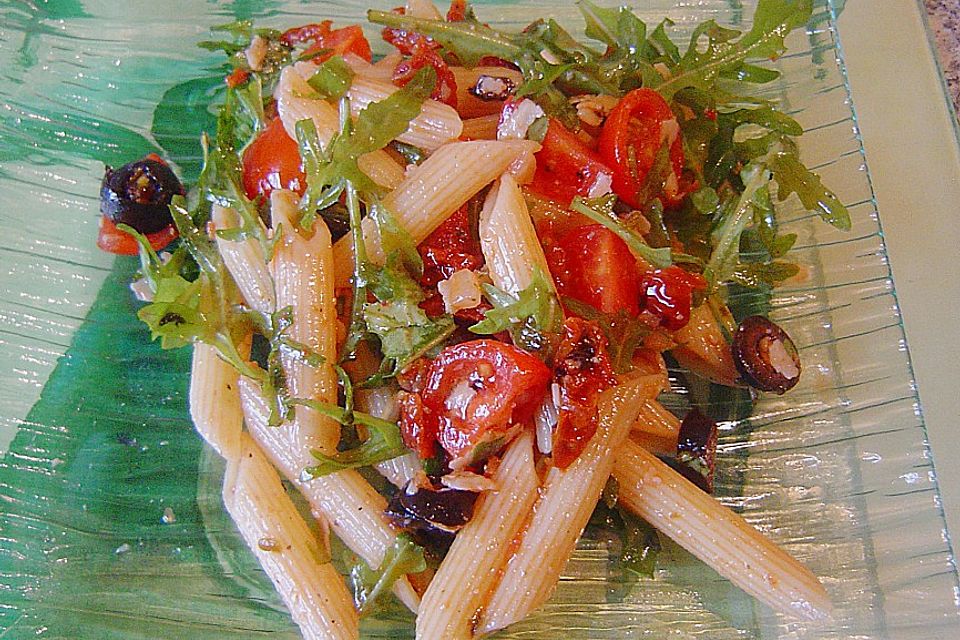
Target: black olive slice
[446, 508]
[697, 449]
[139, 194]
[765, 355]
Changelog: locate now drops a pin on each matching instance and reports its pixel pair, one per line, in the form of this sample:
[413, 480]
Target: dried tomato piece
[424, 55]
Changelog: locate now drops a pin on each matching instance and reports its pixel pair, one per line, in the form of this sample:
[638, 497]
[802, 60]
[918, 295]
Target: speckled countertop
[944, 16]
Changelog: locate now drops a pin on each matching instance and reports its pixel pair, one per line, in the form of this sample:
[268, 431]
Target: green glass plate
[110, 518]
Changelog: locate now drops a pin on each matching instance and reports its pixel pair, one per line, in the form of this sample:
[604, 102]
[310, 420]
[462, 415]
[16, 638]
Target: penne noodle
[508, 239]
[401, 470]
[428, 195]
[302, 271]
[422, 9]
[717, 536]
[656, 429]
[215, 401]
[481, 91]
[351, 506]
[703, 349]
[436, 125]
[295, 104]
[287, 549]
[471, 567]
[245, 261]
[566, 500]
[481, 128]
[381, 70]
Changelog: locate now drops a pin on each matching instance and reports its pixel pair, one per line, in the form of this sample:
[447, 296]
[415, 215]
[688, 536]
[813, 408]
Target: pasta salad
[445, 294]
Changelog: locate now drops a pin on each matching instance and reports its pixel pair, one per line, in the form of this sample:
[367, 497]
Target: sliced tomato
[668, 293]
[566, 167]
[632, 135]
[593, 265]
[457, 11]
[424, 55]
[113, 240]
[583, 372]
[272, 161]
[329, 42]
[475, 395]
[237, 77]
[451, 247]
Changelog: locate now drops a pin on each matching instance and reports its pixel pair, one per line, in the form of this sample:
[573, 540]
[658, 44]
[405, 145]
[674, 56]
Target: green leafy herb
[537, 302]
[793, 177]
[383, 440]
[400, 559]
[331, 79]
[394, 238]
[601, 210]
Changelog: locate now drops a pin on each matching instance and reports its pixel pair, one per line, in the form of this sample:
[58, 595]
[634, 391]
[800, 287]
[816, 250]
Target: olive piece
[447, 508]
[139, 194]
[697, 449]
[765, 355]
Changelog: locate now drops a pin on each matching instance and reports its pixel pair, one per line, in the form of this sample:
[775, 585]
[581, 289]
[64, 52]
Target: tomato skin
[272, 161]
[451, 247]
[473, 395]
[333, 42]
[113, 240]
[593, 265]
[668, 293]
[582, 371]
[423, 54]
[566, 167]
[630, 139]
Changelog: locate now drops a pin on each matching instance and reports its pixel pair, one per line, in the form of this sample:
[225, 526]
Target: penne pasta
[351, 506]
[302, 271]
[703, 349]
[215, 401]
[481, 91]
[481, 548]
[428, 195]
[295, 104]
[287, 549]
[436, 125]
[508, 239]
[481, 128]
[245, 261]
[716, 535]
[656, 429]
[566, 500]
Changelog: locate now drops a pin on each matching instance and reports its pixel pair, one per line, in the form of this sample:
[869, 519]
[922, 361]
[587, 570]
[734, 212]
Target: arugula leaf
[600, 210]
[332, 78]
[403, 557]
[538, 302]
[793, 177]
[755, 274]
[394, 238]
[383, 440]
[174, 314]
[624, 333]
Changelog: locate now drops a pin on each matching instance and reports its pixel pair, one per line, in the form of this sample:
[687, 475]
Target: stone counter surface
[944, 19]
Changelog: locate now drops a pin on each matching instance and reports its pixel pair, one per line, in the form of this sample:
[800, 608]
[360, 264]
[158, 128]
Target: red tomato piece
[272, 161]
[566, 167]
[583, 372]
[668, 293]
[632, 135]
[237, 77]
[457, 11]
[474, 396]
[113, 240]
[329, 42]
[424, 55]
[593, 265]
[451, 247]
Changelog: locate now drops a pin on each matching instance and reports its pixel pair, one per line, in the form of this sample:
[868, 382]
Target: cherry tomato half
[451, 247]
[632, 136]
[583, 372]
[113, 240]
[474, 394]
[272, 161]
[328, 42]
[566, 167]
[593, 265]
[425, 55]
[668, 293]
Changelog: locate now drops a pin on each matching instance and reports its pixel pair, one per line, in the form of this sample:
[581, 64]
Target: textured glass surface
[96, 443]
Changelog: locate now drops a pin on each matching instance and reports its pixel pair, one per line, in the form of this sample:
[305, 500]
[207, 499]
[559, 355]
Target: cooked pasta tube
[436, 125]
[351, 506]
[245, 261]
[716, 535]
[287, 549]
[656, 429]
[302, 271]
[703, 349]
[481, 91]
[481, 128]
[295, 104]
[429, 194]
[215, 401]
[471, 567]
[508, 239]
[567, 498]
